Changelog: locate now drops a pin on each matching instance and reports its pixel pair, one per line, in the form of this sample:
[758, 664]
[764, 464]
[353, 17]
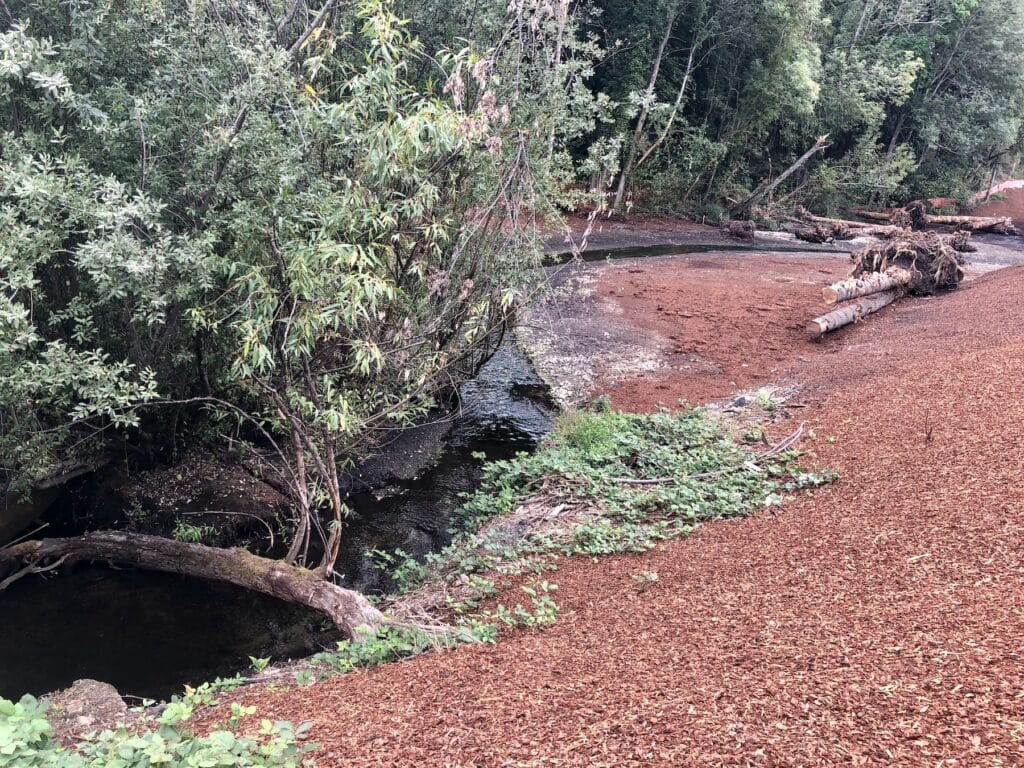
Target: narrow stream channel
[148, 634]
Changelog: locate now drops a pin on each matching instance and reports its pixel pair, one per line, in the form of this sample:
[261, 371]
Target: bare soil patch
[720, 323]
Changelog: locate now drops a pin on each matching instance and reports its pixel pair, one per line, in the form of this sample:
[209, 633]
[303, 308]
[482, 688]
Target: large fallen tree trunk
[346, 608]
[851, 313]
[874, 282]
[915, 213]
[884, 216]
[856, 227]
[1000, 225]
[933, 260]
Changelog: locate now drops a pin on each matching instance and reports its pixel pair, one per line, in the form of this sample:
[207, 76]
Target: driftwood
[744, 230]
[916, 215]
[931, 259]
[858, 228]
[1000, 225]
[884, 216]
[875, 282]
[852, 312]
[818, 233]
[961, 241]
[913, 262]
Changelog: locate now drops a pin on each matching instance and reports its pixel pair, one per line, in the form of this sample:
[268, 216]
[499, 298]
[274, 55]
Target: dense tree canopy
[921, 97]
[296, 217]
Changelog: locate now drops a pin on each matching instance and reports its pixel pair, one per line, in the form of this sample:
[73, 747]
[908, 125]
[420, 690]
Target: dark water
[148, 634]
[652, 251]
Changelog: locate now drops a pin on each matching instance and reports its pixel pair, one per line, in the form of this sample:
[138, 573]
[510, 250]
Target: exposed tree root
[931, 259]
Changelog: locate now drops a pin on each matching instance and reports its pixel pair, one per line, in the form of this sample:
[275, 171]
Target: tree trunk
[885, 216]
[859, 227]
[743, 207]
[675, 107]
[851, 313]
[641, 120]
[1001, 225]
[992, 180]
[894, 142]
[875, 282]
[346, 608]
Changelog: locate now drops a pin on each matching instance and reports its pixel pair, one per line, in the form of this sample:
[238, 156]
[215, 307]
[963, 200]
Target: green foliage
[27, 741]
[373, 647]
[405, 572]
[679, 468]
[625, 481]
[544, 611]
[918, 98]
[303, 227]
[191, 533]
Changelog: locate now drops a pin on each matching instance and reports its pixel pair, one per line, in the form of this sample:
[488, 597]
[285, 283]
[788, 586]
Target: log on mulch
[920, 263]
[852, 312]
[874, 282]
[932, 260]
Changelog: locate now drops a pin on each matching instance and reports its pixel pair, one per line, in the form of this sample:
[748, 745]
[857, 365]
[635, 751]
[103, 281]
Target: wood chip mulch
[878, 622]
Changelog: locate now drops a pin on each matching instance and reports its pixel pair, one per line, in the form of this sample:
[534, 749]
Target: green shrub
[27, 741]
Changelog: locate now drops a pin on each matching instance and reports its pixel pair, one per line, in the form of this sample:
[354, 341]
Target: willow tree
[288, 215]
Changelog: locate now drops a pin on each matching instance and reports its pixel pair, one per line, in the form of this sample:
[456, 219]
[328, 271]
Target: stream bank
[148, 634]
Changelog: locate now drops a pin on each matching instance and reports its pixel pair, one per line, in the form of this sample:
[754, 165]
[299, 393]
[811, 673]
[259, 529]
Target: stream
[149, 634]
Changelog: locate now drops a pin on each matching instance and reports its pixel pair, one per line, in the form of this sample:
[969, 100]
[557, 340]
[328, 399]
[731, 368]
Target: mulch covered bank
[879, 622]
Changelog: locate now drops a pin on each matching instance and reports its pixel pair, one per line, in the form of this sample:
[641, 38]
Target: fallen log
[930, 258]
[883, 216]
[851, 313]
[817, 233]
[915, 214]
[349, 610]
[744, 230]
[1000, 225]
[874, 282]
[855, 227]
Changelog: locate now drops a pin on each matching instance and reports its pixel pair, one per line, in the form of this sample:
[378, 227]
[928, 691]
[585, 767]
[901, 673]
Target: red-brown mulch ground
[878, 622]
[731, 322]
